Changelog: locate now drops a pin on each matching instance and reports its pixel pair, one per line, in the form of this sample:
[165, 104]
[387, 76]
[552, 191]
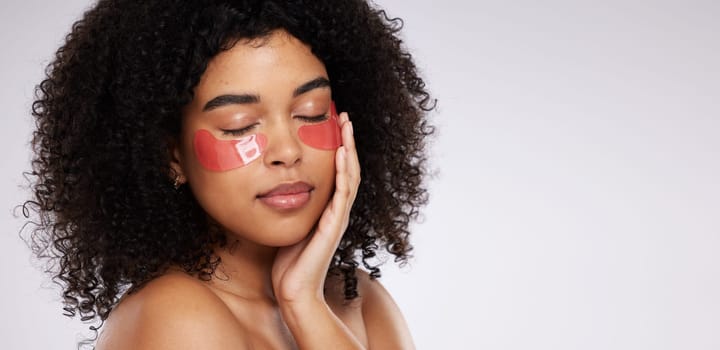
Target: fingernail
[351, 128]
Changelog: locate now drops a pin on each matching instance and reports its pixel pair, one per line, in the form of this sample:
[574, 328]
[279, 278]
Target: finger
[353, 164]
[287, 255]
[334, 220]
[346, 183]
[320, 249]
[335, 217]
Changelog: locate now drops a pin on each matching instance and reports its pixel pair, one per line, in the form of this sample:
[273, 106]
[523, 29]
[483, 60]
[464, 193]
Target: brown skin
[271, 290]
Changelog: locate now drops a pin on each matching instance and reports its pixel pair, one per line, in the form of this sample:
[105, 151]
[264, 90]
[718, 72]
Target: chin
[283, 239]
[281, 233]
[276, 230]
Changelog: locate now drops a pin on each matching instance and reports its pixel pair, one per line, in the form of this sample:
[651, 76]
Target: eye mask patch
[223, 155]
[325, 135]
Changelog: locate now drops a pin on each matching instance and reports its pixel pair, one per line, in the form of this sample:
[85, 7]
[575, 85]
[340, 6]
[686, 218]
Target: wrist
[299, 309]
[304, 319]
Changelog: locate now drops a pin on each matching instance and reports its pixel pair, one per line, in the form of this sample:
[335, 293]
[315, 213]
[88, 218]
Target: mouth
[287, 196]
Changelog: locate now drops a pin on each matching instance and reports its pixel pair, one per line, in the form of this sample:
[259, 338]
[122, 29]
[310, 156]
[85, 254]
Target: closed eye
[237, 132]
[315, 119]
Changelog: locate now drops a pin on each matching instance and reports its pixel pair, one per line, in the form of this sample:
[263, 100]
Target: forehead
[275, 64]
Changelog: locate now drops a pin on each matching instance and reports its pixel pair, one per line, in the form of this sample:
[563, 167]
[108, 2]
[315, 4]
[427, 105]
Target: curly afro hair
[105, 213]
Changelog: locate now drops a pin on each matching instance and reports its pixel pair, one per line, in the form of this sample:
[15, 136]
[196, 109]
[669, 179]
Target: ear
[177, 175]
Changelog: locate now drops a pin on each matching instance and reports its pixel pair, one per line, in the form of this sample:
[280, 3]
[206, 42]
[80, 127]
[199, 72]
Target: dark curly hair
[104, 212]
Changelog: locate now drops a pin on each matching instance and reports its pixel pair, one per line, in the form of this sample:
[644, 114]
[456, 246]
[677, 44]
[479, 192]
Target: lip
[287, 196]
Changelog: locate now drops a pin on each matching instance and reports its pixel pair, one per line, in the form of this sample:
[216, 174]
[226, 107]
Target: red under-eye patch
[222, 155]
[325, 135]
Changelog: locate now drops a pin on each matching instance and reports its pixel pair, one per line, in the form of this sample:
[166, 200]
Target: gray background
[577, 197]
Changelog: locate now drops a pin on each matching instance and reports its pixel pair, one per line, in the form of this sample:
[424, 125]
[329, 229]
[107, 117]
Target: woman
[196, 188]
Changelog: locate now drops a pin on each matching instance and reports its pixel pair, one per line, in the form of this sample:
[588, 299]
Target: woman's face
[249, 143]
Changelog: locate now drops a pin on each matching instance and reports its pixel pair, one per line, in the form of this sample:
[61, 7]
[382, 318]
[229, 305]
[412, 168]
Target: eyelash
[315, 119]
[239, 132]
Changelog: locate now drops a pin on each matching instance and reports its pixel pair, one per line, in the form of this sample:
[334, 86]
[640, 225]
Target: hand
[299, 271]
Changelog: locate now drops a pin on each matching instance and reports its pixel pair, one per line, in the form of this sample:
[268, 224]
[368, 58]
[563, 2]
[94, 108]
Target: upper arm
[384, 323]
[173, 313]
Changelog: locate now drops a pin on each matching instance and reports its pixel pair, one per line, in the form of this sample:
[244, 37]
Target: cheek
[223, 155]
[325, 135]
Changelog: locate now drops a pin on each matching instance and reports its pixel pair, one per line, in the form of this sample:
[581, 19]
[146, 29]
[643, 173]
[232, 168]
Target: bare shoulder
[174, 311]
[373, 317]
[384, 323]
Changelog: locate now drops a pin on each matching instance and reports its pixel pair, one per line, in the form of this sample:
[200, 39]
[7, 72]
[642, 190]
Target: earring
[176, 182]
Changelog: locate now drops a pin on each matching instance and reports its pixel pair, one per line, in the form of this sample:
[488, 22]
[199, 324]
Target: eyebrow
[224, 100]
[230, 99]
[319, 82]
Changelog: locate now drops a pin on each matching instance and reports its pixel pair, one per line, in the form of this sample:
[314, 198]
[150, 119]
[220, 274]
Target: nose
[283, 147]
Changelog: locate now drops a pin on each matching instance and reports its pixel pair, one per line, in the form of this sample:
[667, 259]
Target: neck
[245, 270]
